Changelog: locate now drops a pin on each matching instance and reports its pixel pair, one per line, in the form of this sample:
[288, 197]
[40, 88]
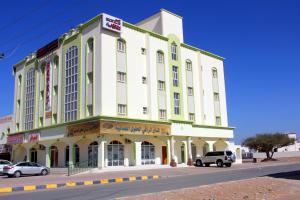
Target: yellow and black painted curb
[74, 184]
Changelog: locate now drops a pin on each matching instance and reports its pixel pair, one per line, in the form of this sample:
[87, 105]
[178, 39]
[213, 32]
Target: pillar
[101, 155]
[71, 151]
[28, 154]
[172, 144]
[169, 151]
[189, 151]
[210, 145]
[138, 153]
[47, 149]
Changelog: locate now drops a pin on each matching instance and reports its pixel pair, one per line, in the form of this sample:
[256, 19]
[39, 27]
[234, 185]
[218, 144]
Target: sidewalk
[97, 175]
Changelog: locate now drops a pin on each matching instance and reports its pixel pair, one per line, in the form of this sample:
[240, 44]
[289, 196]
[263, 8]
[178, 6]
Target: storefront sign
[48, 90]
[112, 23]
[135, 128]
[33, 137]
[15, 139]
[84, 129]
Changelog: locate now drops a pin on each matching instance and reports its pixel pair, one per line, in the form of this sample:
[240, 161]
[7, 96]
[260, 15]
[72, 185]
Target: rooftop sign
[112, 23]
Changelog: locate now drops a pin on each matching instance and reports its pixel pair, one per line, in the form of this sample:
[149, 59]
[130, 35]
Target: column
[173, 157]
[189, 151]
[47, 149]
[101, 155]
[138, 153]
[71, 149]
[210, 145]
[168, 151]
[28, 154]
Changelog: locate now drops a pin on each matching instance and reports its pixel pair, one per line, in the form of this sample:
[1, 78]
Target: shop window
[115, 153]
[148, 153]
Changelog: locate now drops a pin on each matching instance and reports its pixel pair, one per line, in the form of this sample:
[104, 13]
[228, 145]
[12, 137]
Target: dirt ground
[263, 188]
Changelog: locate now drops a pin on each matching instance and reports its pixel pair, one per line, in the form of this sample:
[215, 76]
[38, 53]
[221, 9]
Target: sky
[259, 39]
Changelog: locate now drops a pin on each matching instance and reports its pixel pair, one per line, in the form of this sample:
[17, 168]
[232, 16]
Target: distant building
[292, 147]
[5, 128]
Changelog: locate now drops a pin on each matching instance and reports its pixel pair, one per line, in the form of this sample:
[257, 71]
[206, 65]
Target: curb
[74, 184]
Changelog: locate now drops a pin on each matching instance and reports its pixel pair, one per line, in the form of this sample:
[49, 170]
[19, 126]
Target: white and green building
[110, 93]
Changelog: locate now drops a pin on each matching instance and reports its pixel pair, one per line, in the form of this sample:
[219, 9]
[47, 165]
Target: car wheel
[17, 174]
[219, 163]
[198, 163]
[44, 172]
[228, 164]
[206, 164]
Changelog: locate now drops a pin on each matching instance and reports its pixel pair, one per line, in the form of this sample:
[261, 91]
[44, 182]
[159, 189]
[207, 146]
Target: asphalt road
[140, 187]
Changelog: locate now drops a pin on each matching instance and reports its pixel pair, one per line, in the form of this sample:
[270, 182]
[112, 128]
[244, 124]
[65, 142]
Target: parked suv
[220, 158]
[25, 168]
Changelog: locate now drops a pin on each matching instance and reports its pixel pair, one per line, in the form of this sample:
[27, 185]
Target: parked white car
[2, 164]
[25, 168]
[216, 157]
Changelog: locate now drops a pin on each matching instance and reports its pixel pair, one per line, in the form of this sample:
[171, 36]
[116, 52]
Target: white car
[25, 168]
[2, 164]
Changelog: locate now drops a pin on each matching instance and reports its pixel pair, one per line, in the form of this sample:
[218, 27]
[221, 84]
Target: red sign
[15, 139]
[33, 137]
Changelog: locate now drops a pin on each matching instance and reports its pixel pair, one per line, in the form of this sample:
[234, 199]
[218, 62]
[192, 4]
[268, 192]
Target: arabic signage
[15, 139]
[135, 128]
[33, 137]
[48, 90]
[112, 23]
[84, 129]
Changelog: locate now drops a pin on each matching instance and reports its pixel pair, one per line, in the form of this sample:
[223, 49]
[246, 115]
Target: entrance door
[164, 155]
[33, 155]
[54, 156]
[93, 154]
[67, 156]
[182, 154]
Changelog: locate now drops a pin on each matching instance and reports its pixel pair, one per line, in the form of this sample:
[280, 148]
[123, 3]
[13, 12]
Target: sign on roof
[112, 23]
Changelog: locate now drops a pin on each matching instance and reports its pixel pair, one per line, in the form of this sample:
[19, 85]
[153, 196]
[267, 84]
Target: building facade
[109, 93]
[6, 123]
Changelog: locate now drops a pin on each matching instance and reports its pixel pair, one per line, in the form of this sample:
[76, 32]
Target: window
[71, 84]
[144, 80]
[176, 103]
[121, 77]
[174, 51]
[115, 153]
[121, 45]
[41, 121]
[162, 114]
[42, 95]
[216, 96]
[148, 153]
[29, 99]
[160, 57]
[189, 66]
[191, 116]
[143, 50]
[145, 110]
[161, 85]
[175, 76]
[190, 91]
[121, 109]
[218, 121]
[215, 73]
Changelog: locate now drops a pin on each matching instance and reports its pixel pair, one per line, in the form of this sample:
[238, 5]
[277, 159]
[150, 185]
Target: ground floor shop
[112, 144]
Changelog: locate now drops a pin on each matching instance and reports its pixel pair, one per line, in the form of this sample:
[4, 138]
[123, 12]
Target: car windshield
[228, 153]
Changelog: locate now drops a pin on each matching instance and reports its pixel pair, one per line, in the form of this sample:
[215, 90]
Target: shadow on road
[295, 175]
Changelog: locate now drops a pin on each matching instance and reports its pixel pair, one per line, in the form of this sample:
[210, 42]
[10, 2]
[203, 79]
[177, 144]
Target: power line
[20, 18]
[41, 23]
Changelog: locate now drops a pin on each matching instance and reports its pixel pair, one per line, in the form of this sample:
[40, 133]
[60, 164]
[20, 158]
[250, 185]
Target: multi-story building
[5, 129]
[111, 93]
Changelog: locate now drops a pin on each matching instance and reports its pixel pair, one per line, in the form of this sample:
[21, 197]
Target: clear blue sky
[259, 39]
